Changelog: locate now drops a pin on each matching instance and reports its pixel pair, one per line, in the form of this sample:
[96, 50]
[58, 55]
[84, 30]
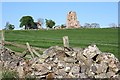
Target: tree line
[92, 25]
[27, 22]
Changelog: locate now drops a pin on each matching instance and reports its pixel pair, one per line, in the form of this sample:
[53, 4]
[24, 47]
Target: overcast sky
[103, 13]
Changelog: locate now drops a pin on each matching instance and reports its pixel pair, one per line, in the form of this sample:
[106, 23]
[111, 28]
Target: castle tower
[72, 20]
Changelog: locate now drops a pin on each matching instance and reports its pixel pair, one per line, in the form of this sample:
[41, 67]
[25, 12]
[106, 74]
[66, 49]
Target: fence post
[2, 39]
[30, 50]
[66, 41]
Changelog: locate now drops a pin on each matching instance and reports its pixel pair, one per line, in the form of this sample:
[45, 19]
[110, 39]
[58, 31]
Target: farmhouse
[72, 20]
[38, 25]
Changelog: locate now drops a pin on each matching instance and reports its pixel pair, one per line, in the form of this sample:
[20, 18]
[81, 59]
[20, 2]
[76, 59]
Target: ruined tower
[72, 20]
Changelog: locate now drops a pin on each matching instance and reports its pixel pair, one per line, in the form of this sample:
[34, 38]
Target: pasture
[105, 39]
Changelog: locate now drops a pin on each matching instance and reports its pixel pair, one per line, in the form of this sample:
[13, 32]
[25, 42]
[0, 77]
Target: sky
[119, 13]
[103, 13]
[59, 0]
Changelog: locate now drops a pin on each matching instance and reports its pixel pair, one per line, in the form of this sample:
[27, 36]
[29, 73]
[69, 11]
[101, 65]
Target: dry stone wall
[61, 62]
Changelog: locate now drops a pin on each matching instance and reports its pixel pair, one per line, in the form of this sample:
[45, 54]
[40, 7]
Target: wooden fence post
[2, 39]
[30, 50]
[36, 53]
[66, 41]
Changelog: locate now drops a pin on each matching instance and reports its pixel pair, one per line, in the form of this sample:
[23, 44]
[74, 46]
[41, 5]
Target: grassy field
[105, 39]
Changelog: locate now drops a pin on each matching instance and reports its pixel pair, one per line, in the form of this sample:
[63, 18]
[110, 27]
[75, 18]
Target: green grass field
[105, 39]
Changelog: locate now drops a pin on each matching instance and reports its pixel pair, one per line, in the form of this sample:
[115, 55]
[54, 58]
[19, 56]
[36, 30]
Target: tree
[49, 23]
[87, 25]
[95, 25]
[112, 25]
[9, 26]
[63, 26]
[27, 21]
[92, 25]
[6, 26]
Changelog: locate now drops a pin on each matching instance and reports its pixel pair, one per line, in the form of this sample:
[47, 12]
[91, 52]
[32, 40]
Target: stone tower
[72, 20]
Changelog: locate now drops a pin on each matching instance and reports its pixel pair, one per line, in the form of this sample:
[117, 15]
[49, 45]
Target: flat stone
[44, 56]
[59, 77]
[99, 58]
[41, 77]
[112, 64]
[40, 73]
[60, 55]
[40, 68]
[48, 66]
[117, 77]
[80, 56]
[90, 74]
[61, 64]
[69, 60]
[118, 65]
[73, 76]
[75, 70]
[37, 73]
[102, 75]
[67, 69]
[70, 75]
[56, 60]
[115, 69]
[101, 68]
[83, 68]
[106, 57]
[69, 53]
[83, 75]
[74, 55]
[87, 61]
[54, 69]
[41, 60]
[93, 68]
[61, 72]
[77, 75]
[50, 52]
[93, 48]
[91, 51]
[77, 49]
[49, 60]
[59, 48]
[110, 74]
